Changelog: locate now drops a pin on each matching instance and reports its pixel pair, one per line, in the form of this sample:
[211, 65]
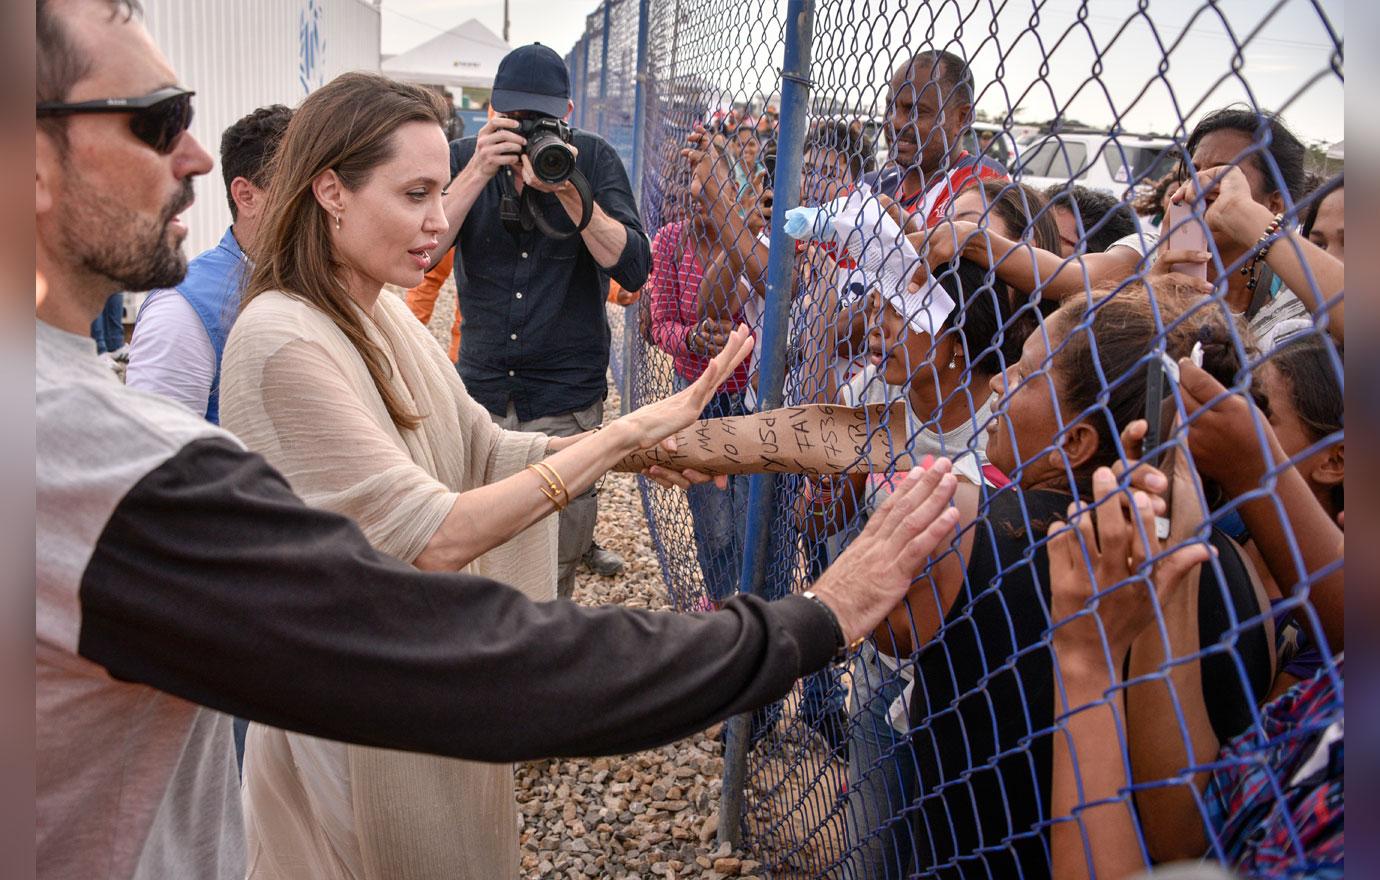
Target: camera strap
[509, 206]
[523, 213]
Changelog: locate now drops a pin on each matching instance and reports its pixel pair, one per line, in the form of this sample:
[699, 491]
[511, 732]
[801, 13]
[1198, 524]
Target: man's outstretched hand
[872, 576]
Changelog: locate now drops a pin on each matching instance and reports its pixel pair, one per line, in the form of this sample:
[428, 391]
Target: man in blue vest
[181, 331]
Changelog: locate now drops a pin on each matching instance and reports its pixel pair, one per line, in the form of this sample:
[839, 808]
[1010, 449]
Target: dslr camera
[548, 148]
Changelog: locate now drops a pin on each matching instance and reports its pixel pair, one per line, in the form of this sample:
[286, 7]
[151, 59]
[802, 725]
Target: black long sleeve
[213, 582]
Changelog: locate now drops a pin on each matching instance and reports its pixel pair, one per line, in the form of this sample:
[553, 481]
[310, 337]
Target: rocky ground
[651, 814]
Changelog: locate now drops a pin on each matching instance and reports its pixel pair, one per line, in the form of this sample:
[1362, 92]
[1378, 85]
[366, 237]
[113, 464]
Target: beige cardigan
[295, 390]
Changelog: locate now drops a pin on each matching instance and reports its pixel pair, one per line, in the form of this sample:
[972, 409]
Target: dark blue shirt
[535, 331]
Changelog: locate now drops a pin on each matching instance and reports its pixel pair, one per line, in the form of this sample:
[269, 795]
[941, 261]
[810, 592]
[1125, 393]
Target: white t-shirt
[1142, 243]
[171, 354]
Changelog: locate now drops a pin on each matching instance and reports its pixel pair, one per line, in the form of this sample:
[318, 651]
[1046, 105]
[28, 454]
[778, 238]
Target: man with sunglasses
[175, 571]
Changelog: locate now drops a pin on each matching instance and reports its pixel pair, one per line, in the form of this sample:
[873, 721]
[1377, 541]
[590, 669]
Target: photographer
[536, 339]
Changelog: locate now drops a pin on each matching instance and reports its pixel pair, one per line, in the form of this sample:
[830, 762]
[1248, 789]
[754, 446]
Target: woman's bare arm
[483, 518]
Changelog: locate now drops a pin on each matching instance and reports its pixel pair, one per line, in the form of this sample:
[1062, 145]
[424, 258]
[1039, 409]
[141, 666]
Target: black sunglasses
[157, 119]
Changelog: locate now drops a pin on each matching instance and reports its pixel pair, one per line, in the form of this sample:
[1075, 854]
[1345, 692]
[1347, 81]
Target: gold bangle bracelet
[552, 478]
[554, 493]
[555, 499]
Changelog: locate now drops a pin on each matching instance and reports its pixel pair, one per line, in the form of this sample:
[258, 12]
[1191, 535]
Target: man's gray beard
[105, 238]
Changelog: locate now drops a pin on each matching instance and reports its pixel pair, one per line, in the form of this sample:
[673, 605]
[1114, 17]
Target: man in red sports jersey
[930, 106]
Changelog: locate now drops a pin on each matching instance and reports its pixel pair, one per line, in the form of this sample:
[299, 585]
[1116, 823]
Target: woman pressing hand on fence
[1114, 585]
[977, 618]
[735, 282]
[680, 252]
[1176, 721]
[940, 380]
[335, 383]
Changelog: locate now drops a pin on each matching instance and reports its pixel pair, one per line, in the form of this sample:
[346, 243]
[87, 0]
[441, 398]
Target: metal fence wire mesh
[1064, 243]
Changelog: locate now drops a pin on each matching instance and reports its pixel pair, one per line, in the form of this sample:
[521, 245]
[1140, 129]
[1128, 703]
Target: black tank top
[983, 705]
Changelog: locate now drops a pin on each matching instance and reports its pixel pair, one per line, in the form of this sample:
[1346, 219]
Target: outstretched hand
[872, 576]
[660, 421]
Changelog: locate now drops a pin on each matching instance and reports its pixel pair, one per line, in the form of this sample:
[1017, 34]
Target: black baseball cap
[531, 78]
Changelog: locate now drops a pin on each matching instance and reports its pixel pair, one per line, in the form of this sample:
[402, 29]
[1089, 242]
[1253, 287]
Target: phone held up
[1162, 375]
[1187, 232]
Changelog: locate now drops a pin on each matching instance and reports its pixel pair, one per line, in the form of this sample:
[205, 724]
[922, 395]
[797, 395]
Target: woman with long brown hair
[342, 390]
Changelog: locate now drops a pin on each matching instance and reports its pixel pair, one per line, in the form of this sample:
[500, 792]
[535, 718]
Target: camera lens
[551, 158]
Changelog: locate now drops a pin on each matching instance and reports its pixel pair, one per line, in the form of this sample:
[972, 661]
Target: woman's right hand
[1107, 564]
[1222, 430]
[660, 421]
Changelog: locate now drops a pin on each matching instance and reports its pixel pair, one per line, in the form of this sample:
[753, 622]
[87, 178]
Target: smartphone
[769, 162]
[1186, 233]
[1159, 418]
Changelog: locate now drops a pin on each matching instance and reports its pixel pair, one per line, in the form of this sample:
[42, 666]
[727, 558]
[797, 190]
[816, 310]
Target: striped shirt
[675, 293]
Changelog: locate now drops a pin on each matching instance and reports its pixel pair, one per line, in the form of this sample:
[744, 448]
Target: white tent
[466, 56]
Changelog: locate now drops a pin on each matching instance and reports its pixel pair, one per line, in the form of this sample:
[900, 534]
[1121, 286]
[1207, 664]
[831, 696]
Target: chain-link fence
[1060, 243]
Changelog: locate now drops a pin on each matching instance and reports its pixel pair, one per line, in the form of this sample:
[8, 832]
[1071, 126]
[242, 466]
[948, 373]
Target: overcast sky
[1281, 57]
[556, 23]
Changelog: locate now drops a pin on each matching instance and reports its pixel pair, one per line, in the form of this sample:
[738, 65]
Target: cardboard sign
[815, 439]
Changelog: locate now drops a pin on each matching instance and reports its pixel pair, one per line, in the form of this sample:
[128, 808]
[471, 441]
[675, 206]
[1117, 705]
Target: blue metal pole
[604, 69]
[795, 93]
[630, 313]
[639, 114]
[584, 81]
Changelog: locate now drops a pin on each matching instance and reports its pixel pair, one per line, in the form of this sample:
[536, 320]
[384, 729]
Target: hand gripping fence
[1102, 213]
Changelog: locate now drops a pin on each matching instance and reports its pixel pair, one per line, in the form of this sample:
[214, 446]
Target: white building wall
[239, 55]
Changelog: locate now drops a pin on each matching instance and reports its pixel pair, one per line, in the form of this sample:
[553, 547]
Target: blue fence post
[795, 92]
[583, 106]
[639, 93]
[631, 327]
[604, 70]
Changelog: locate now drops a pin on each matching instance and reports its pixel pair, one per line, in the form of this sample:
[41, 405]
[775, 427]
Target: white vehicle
[1123, 165]
[993, 141]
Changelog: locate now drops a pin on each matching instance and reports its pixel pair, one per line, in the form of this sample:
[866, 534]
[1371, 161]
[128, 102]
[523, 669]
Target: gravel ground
[650, 814]
[653, 814]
